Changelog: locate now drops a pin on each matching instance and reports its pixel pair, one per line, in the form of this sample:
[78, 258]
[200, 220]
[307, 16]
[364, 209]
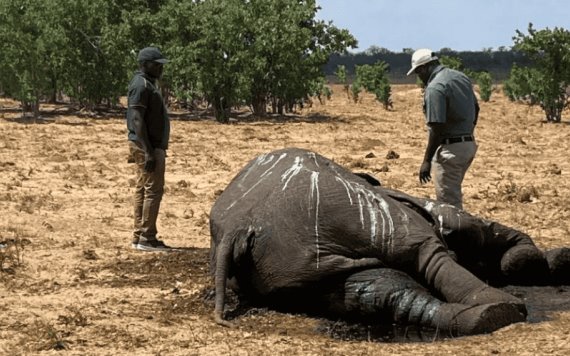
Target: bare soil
[71, 284]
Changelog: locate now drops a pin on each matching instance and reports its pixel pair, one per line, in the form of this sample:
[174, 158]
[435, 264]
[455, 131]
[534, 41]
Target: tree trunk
[36, 108]
[53, 94]
[259, 105]
[221, 112]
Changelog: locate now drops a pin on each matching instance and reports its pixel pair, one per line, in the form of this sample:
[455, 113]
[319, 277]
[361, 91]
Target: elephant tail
[224, 253]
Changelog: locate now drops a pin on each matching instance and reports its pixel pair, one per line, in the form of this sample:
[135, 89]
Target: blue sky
[462, 25]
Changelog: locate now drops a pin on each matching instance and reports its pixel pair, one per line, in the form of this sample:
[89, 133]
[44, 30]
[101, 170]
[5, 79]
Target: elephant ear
[369, 178]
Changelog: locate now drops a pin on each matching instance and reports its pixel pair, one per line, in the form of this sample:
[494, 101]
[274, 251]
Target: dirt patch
[69, 280]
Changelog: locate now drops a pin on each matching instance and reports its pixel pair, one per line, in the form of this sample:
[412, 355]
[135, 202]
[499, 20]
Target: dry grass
[69, 280]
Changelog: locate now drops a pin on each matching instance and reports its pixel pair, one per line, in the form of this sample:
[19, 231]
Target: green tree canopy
[228, 52]
[546, 80]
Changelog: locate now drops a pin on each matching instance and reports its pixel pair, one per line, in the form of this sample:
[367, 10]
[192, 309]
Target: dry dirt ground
[70, 283]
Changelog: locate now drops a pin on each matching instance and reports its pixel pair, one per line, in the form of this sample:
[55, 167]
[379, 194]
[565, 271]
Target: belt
[448, 141]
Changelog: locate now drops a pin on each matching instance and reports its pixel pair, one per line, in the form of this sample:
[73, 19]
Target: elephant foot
[525, 265]
[460, 320]
[490, 295]
[559, 265]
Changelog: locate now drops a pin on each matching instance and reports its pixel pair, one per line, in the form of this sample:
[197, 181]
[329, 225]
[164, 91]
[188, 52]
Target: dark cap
[151, 54]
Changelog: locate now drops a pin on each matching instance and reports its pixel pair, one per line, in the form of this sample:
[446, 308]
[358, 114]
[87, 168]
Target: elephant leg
[493, 251]
[453, 282]
[393, 296]
[559, 265]
[521, 262]
[525, 264]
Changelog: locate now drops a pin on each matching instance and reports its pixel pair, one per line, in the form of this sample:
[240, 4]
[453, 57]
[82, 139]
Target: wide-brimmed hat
[151, 54]
[421, 57]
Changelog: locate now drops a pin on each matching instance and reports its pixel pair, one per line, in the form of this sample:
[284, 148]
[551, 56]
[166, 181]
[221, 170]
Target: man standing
[149, 130]
[451, 110]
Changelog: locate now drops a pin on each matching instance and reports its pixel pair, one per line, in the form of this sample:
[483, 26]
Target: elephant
[296, 230]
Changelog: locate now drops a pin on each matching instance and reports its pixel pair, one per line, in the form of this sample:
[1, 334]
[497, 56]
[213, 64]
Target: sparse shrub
[383, 94]
[374, 79]
[451, 62]
[320, 89]
[340, 73]
[483, 79]
[485, 82]
[360, 164]
[355, 90]
[544, 83]
[514, 192]
[74, 318]
[30, 203]
[43, 336]
[11, 255]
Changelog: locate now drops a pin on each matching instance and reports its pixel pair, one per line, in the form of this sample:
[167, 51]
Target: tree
[519, 82]
[321, 90]
[374, 79]
[485, 83]
[179, 19]
[355, 90]
[288, 47]
[25, 47]
[228, 52]
[257, 52]
[545, 81]
[340, 73]
[80, 48]
[451, 62]
[220, 47]
[483, 79]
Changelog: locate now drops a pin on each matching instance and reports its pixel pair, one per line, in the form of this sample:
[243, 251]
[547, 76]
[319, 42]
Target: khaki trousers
[148, 193]
[449, 165]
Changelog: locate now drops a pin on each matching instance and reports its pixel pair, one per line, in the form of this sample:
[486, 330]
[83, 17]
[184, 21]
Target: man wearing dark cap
[149, 130]
[451, 110]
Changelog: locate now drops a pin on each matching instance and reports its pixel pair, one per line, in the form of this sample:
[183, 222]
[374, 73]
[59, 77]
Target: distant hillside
[498, 63]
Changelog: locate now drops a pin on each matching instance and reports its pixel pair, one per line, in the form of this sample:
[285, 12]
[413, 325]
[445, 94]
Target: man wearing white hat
[451, 111]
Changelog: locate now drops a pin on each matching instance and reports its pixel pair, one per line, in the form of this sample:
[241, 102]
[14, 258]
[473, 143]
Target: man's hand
[425, 175]
[149, 162]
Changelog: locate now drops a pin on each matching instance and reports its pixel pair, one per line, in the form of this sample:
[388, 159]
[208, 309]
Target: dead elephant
[294, 229]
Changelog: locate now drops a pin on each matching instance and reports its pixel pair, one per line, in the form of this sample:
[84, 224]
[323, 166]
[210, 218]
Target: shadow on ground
[190, 267]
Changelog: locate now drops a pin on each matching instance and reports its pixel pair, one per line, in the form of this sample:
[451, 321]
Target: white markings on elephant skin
[292, 171]
[315, 203]
[262, 160]
[445, 215]
[371, 205]
[377, 208]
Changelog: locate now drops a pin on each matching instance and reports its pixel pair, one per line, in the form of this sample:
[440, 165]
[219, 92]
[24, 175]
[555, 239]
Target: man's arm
[142, 135]
[434, 140]
[476, 112]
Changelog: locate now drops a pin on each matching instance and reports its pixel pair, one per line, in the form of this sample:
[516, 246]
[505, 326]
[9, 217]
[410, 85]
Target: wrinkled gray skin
[293, 229]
